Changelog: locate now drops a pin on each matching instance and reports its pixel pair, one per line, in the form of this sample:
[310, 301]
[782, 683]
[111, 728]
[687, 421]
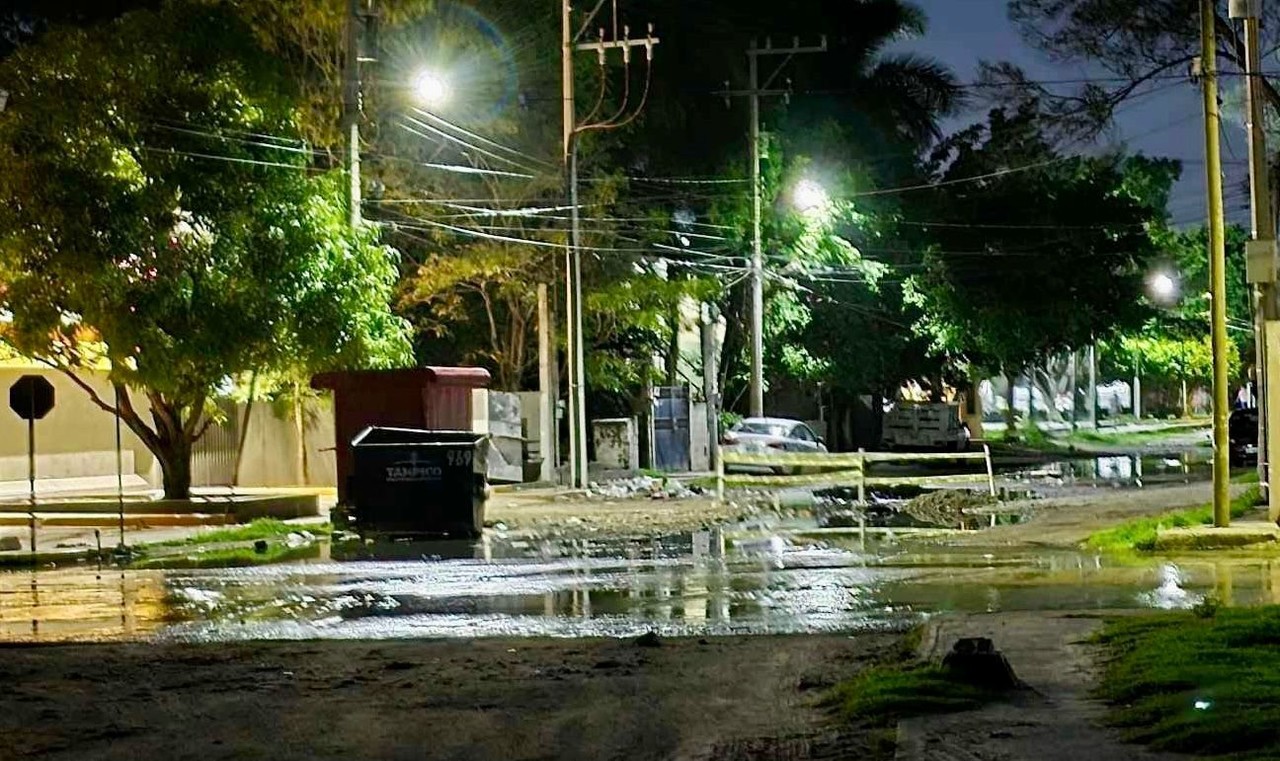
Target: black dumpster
[410, 482]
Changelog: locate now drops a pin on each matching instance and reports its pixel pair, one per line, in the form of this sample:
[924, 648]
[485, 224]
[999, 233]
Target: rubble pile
[642, 487]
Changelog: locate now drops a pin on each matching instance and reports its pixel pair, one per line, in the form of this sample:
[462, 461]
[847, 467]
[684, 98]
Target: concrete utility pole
[757, 245]
[1217, 263]
[572, 132]
[1262, 248]
[351, 108]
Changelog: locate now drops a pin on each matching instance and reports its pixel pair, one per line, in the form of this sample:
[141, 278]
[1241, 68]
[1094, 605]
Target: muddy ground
[541, 513]
[717, 699]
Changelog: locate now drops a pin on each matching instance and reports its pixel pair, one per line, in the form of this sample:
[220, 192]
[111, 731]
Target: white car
[761, 435]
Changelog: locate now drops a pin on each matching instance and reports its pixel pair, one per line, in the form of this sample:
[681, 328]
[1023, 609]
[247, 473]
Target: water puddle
[1117, 472]
[702, 584]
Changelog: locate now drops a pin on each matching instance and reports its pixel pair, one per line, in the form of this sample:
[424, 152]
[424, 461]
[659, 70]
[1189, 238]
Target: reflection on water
[704, 583]
[1122, 471]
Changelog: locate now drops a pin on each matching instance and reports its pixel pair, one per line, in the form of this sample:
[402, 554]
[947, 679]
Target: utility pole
[351, 108]
[757, 245]
[1261, 250]
[572, 132]
[1217, 263]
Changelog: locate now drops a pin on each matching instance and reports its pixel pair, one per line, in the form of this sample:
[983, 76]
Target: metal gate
[213, 459]
[671, 429]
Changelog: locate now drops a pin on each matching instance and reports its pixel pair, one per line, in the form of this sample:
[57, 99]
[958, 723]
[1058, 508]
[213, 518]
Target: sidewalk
[1054, 721]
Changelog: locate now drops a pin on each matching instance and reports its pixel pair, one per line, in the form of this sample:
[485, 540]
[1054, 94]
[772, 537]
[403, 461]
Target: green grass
[261, 528]
[902, 686]
[1140, 534]
[1159, 666]
[228, 557]
[882, 695]
[1134, 438]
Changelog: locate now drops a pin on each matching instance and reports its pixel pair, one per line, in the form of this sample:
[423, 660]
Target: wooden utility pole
[1217, 263]
[1261, 252]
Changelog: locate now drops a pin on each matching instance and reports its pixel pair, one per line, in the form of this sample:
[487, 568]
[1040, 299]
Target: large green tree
[158, 211]
[1035, 252]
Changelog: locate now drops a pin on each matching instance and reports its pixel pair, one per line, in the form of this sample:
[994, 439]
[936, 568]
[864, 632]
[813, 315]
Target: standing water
[699, 584]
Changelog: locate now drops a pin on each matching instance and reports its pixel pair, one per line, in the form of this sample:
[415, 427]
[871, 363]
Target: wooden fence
[846, 469]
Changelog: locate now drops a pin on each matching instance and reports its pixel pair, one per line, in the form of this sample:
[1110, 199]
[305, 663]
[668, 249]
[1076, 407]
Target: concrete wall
[271, 454]
[76, 440]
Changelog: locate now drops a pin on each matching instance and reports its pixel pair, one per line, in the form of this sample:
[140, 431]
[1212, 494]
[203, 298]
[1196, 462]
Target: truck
[925, 426]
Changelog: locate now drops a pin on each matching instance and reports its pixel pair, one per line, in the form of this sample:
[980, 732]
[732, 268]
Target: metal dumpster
[409, 482]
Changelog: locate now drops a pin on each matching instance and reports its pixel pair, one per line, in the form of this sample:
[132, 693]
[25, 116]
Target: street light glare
[429, 89]
[809, 196]
[1163, 287]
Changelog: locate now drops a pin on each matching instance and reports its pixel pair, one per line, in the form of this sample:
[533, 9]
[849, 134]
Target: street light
[429, 88]
[1163, 288]
[808, 196]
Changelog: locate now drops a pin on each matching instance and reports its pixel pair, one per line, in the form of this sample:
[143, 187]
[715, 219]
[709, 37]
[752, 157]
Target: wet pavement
[687, 585]
[743, 579]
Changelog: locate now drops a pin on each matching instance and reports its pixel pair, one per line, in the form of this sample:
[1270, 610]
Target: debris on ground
[297, 539]
[642, 487]
[649, 639]
[976, 661]
[10, 544]
[946, 508]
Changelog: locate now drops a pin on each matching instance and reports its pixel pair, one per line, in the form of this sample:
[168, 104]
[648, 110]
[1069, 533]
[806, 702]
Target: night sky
[1167, 123]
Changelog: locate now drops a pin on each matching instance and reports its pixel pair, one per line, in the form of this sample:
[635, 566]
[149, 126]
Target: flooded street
[686, 585]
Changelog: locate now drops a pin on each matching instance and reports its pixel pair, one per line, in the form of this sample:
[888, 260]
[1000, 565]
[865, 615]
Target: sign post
[31, 397]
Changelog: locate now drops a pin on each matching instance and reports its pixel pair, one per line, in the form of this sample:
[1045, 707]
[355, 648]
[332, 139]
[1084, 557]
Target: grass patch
[882, 695]
[904, 686]
[1228, 660]
[1134, 438]
[228, 557]
[261, 528]
[1140, 534]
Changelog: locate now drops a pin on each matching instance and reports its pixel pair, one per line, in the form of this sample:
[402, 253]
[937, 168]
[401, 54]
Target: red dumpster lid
[469, 377]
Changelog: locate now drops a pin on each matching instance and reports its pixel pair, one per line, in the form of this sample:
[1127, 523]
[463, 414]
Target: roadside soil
[563, 513]
[722, 699]
[1054, 719]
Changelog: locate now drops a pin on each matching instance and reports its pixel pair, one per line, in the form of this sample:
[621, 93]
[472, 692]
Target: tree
[499, 282]
[1007, 296]
[1141, 45]
[157, 212]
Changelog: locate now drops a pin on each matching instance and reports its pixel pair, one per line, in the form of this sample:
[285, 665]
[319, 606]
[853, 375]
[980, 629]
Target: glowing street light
[1163, 287]
[809, 196]
[429, 88]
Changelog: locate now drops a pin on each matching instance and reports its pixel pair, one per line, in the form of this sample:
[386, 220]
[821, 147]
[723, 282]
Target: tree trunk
[174, 455]
[673, 349]
[1010, 414]
[300, 432]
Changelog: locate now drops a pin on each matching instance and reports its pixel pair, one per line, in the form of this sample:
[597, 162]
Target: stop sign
[31, 396]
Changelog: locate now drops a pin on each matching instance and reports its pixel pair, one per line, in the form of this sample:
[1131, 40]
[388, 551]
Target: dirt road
[718, 699]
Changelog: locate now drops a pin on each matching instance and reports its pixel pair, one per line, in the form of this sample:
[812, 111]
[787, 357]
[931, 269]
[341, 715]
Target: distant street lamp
[809, 196]
[429, 88]
[1163, 288]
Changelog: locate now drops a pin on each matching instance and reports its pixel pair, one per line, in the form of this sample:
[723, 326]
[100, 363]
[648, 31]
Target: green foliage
[1006, 296]
[1161, 666]
[1140, 534]
[259, 528]
[140, 222]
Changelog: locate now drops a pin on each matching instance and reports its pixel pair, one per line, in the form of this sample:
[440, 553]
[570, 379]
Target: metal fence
[854, 470]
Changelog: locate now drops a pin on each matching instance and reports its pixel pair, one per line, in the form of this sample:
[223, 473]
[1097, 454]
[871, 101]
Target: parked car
[764, 434]
[1242, 433]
